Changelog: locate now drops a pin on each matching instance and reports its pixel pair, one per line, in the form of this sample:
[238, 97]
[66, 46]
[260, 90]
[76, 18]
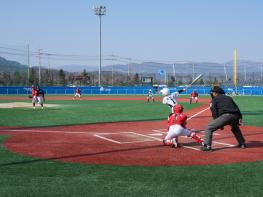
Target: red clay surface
[132, 143]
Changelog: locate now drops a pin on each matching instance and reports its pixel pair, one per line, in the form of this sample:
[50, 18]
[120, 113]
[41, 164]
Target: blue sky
[148, 30]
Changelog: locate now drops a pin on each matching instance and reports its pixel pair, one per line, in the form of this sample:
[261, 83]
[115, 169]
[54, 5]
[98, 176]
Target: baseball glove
[30, 96]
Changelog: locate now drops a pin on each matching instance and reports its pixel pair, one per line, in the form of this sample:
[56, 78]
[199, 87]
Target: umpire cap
[217, 90]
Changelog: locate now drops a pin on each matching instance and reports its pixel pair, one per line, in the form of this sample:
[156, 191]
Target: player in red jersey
[193, 97]
[37, 95]
[34, 94]
[77, 93]
[177, 127]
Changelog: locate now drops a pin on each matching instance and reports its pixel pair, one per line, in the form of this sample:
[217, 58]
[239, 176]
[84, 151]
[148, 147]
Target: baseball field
[112, 146]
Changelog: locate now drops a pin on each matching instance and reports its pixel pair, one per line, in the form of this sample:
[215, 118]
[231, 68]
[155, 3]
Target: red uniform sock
[197, 138]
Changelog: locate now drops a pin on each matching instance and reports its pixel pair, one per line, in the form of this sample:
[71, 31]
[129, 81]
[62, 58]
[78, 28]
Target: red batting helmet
[178, 108]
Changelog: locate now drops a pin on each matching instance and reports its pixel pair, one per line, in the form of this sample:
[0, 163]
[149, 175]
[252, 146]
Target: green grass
[83, 112]
[252, 109]
[25, 176]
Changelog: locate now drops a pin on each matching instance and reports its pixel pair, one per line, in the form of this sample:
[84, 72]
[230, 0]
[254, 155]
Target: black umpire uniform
[225, 112]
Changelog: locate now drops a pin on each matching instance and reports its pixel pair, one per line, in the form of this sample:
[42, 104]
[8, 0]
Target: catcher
[177, 127]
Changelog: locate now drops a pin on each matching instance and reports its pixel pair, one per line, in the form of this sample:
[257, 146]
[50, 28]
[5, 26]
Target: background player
[177, 127]
[34, 95]
[77, 93]
[150, 96]
[193, 97]
[40, 96]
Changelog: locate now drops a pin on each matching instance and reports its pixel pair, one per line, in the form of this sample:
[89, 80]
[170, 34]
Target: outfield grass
[24, 176]
[83, 112]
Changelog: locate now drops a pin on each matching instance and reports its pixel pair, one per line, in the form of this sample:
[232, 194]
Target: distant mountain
[77, 68]
[207, 68]
[188, 68]
[11, 66]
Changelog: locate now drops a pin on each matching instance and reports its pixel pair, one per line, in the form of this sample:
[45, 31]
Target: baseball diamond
[132, 143]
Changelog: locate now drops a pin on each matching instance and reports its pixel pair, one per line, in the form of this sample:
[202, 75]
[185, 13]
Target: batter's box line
[193, 148]
[117, 142]
[105, 138]
[226, 144]
[163, 131]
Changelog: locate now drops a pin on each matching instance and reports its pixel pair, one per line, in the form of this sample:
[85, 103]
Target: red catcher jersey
[179, 119]
[34, 92]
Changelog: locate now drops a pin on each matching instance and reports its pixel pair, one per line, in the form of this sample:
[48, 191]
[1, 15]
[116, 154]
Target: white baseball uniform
[171, 100]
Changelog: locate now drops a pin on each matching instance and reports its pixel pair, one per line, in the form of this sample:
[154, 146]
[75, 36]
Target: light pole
[39, 66]
[100, 11]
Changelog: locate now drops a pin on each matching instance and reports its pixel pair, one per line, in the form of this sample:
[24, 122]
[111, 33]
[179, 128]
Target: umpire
[225, 112]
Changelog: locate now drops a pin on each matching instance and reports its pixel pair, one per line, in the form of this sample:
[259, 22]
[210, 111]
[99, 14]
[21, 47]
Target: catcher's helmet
[178, 108]
[165, 91]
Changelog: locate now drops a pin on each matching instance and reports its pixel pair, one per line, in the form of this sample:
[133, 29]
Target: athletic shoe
[206, 148]
[175, 143]
[242, 146]
[167, 142]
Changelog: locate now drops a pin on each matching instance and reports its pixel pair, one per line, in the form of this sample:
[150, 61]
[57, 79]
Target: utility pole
[193, 71]
[261, 72]
[225, 72]
[174, 71]
[128, 70]
[39, 66]
[245, 73]
[112, 69]
[28, 62]
[49, 73]
[235, 69]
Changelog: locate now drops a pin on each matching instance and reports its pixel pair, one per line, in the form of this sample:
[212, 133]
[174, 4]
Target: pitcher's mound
[23, 105]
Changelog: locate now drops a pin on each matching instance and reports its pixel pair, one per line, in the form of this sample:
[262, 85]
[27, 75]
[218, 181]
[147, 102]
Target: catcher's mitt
[30, 96]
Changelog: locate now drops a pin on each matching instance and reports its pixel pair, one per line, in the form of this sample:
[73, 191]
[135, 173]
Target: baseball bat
[196, 79]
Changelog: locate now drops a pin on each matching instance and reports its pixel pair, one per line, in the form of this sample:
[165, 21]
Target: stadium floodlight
[100, 11]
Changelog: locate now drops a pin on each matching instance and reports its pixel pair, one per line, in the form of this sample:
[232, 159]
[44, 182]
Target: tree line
[54, 77]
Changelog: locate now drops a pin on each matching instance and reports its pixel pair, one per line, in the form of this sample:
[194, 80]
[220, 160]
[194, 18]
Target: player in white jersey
[150, 96]
[170, 99]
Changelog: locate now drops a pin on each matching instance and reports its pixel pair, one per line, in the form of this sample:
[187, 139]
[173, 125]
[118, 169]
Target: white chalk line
[114, 141]
[158, 139]
[231, 145]
[129, 142]
[154, 138]
[198, 113]
[155, 134]
[45, 131]
[105, 138]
